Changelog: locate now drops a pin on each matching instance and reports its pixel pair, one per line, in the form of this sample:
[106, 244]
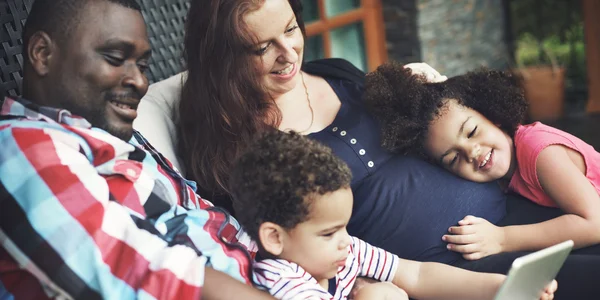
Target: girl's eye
[473, 132]
[291, 29]
[453, 160]
[329, 234]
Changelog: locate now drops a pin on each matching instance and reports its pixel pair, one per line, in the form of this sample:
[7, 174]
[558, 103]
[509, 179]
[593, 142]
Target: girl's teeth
[485, 161]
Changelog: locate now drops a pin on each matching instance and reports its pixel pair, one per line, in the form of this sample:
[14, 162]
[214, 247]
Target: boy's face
[467, 144]
[320, 244]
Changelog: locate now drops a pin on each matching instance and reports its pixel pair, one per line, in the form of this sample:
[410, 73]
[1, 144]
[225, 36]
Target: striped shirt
[86, 215]
[287, 280]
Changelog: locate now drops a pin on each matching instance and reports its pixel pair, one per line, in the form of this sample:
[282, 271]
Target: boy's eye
[473, 132]
[329, 234]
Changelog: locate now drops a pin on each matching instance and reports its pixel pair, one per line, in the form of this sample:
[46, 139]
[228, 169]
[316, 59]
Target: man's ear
[40, 51]
[271, 238]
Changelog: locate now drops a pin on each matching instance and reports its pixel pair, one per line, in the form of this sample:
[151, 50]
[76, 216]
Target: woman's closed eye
[262, 50]
[291, 29]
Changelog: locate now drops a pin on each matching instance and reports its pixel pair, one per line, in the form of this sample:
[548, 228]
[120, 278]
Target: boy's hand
[475, 238]
[548, 293]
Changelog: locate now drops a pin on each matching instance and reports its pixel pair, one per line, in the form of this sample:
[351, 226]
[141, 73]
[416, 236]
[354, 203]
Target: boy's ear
[271, 238]
[40, 51]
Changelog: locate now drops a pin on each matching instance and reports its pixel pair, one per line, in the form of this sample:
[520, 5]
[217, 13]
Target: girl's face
[467, 144]
[278, 54]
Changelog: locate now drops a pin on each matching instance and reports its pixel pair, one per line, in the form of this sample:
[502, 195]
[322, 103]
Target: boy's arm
[220, 286]
[565, 183]
[438, 281]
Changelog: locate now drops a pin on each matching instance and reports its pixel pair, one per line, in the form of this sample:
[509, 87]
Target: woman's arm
[560, 172]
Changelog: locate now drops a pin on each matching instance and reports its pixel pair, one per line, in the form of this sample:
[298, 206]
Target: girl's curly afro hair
[406, 104]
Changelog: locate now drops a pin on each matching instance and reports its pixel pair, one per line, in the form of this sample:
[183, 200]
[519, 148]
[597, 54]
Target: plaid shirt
[86, 215]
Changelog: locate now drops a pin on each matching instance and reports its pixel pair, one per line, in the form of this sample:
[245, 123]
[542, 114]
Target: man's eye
[143, 67]
[473, 132]
[114, 60]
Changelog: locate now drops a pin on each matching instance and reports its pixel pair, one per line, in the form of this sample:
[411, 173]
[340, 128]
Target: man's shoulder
[11, 123]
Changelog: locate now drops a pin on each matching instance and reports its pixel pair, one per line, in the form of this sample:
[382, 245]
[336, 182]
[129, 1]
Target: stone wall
[400, 19]
[454, 36]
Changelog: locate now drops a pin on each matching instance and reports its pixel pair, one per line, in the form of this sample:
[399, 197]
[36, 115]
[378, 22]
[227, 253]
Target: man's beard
[97, 117]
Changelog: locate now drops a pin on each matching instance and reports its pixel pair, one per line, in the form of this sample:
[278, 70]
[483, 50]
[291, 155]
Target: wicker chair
[165, 21]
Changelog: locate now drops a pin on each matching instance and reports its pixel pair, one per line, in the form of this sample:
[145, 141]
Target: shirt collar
[23, 108]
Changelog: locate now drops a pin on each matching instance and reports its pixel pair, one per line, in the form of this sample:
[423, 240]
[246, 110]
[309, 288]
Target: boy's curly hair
[406, 104]
[276, 178]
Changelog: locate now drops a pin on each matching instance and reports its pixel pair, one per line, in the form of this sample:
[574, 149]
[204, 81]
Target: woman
[402, 204]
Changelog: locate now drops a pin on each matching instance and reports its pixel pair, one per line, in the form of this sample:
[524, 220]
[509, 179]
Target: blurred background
[552, 44]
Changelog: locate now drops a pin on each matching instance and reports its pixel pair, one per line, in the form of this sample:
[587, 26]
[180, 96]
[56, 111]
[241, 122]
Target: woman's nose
[288, 53]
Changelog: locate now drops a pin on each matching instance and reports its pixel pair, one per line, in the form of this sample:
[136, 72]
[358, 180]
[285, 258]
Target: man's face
[99, 73]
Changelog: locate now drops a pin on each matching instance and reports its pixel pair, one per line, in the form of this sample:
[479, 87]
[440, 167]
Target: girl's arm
[560, 171]
[438, 281]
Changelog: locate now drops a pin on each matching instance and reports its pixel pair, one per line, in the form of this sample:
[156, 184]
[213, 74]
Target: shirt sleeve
[374, 262]
[57, 220]
[285, 280]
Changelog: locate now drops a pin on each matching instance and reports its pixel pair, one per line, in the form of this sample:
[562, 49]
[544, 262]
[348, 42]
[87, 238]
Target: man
[84, 213]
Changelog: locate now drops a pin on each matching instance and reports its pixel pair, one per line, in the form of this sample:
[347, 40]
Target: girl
[471, 125]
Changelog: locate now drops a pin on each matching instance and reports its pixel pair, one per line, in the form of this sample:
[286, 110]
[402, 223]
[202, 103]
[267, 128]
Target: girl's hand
[423, 69]
[548, 293]
[475, 238]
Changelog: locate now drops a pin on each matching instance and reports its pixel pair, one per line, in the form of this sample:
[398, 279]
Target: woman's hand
[475, 238]
[423, 69]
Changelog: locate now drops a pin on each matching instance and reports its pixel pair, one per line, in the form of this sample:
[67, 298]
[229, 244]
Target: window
[349, 29]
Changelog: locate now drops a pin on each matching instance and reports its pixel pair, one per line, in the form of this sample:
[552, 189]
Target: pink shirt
[529, 141]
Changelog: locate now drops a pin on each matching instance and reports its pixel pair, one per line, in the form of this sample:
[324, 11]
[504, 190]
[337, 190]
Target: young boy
[293, 197]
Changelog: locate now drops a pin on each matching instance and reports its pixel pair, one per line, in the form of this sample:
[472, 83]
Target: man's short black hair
[59, 18]
[276, 179]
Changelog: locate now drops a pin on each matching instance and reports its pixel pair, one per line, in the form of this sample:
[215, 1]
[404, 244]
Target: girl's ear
[271, 238]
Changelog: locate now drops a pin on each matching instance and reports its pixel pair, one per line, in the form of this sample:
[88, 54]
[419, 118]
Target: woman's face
[278, 53]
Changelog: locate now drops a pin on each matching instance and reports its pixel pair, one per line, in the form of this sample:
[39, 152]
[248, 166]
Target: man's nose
[135, 78]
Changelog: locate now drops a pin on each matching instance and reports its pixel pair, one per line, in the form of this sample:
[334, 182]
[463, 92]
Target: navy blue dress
[401, 203]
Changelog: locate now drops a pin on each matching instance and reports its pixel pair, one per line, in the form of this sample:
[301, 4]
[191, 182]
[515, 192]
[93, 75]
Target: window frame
[369, 13]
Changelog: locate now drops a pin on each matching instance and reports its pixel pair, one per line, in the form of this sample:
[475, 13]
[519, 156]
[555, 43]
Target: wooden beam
[344, 19]
[591, 21]
[374, 31]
